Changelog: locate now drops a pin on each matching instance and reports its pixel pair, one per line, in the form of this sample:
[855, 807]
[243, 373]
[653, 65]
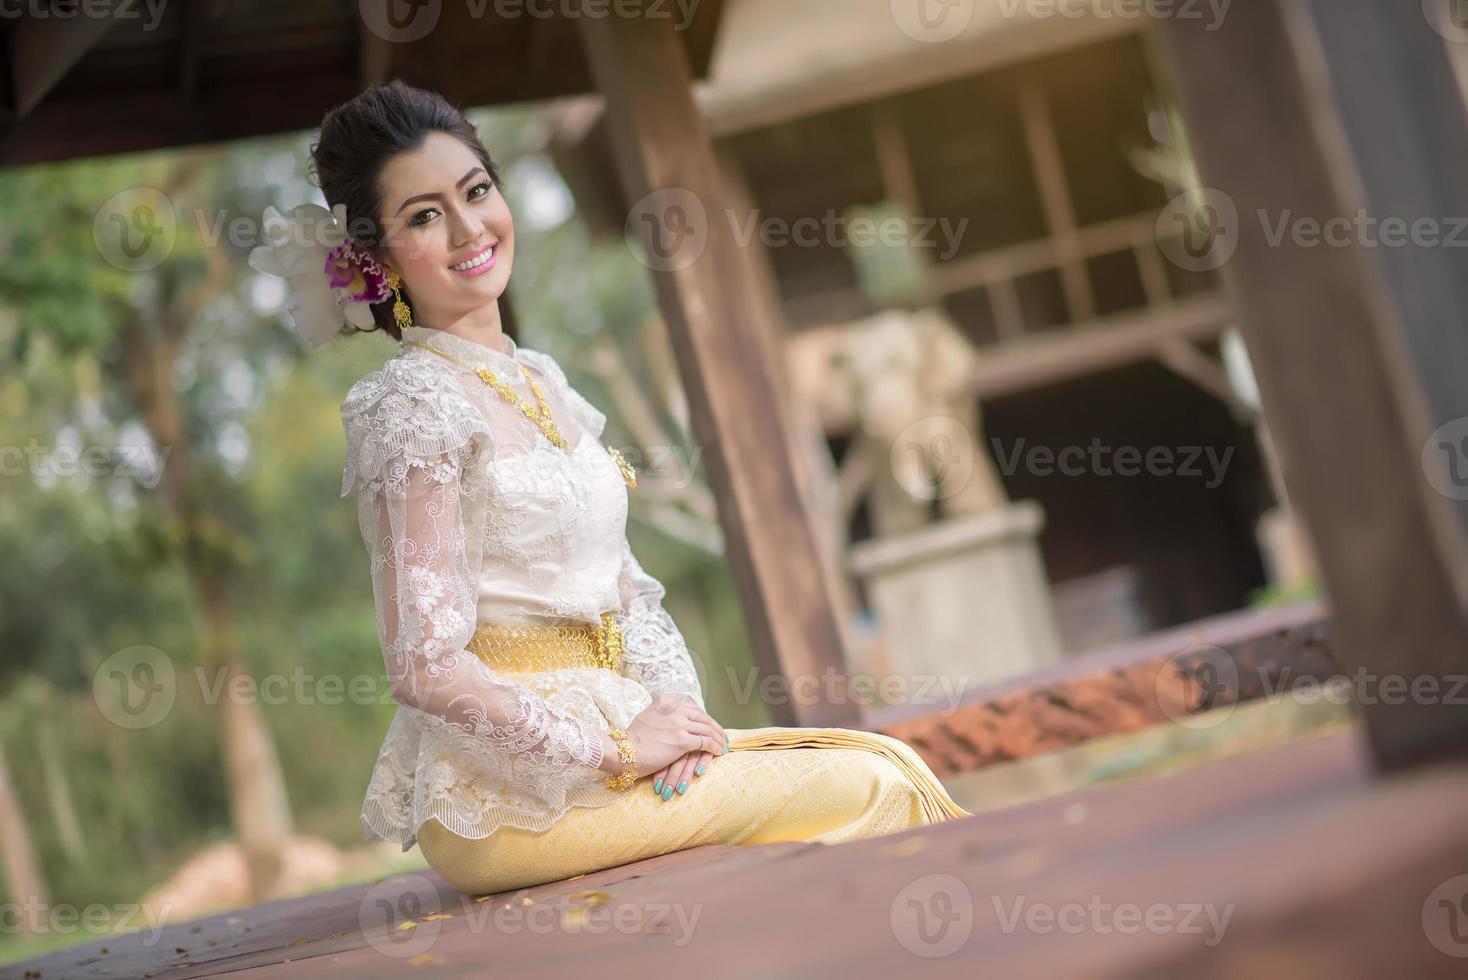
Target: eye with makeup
[419, 219]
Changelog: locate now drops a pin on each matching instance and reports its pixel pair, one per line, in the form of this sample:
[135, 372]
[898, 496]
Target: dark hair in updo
[356, 141]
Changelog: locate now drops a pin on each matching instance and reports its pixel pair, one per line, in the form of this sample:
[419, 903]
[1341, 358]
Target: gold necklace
[541, 418]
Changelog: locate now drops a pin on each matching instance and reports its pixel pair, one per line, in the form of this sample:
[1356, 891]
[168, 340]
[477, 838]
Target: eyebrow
[435, 195]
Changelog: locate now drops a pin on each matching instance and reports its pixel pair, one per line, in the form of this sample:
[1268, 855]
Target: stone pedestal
[965, 597]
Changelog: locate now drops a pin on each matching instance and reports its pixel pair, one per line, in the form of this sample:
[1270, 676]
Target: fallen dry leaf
[591, 897]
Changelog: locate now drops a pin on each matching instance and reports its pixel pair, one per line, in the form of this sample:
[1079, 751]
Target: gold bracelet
[628, 752]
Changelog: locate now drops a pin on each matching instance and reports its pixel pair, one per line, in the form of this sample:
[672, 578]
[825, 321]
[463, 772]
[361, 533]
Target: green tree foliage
[92, 558]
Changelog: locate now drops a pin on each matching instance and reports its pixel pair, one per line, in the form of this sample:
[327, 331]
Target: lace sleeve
[656, 655]
[412, 451]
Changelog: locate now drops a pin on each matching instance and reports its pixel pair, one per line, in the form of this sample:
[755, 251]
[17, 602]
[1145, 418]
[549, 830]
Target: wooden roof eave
[87, 86]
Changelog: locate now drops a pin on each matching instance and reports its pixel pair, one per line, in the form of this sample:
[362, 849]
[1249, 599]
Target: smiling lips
[482, 262]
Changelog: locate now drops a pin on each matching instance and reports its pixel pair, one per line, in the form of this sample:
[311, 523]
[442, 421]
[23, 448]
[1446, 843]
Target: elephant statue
[899, 382]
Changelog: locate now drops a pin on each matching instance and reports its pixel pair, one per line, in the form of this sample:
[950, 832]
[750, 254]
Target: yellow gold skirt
[776, 784]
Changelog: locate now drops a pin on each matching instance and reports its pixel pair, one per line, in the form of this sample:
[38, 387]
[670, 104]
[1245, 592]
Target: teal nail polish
[657, 787]
[699, 770]
[683, 786]
[668, 793]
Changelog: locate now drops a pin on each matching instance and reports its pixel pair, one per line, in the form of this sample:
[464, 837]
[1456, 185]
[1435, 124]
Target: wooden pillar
[661, 144]
[1055, 198]
[1321, 111]
[817, 478]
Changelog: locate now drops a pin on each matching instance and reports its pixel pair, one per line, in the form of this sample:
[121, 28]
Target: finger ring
[702, 739]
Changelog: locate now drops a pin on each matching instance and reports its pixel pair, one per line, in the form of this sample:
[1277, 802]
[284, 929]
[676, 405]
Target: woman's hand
[674, 736]
[681, 773]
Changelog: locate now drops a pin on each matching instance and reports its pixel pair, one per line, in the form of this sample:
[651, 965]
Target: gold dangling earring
[400, 311]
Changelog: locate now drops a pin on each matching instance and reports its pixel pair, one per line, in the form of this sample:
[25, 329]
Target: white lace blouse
[470, 514]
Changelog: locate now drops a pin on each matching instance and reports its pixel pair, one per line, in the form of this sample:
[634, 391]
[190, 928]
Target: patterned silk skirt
[776, 784]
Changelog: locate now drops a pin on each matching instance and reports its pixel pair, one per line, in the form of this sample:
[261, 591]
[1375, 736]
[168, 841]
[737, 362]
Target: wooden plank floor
[1310, 865]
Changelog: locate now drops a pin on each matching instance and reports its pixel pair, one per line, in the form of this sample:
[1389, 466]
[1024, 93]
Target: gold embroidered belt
[550, 647]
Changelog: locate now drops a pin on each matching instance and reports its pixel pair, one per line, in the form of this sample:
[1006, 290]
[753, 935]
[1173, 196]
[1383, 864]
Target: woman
[551, 721]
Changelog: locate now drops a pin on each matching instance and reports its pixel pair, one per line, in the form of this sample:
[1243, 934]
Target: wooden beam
[1186, 360]
[1408, 165]
[1004, 304]
[733, 105]
[122, 123]
[1049, 358]
[43, 49]
[375, 56]
[660, 144]
[192, 35]
[1076, 244]
[1060, 216]
[1359, 351]
[263, 81]
[1153, 273]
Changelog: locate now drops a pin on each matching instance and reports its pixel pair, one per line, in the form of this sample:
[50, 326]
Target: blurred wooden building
[1047, 143]
[1032, 130]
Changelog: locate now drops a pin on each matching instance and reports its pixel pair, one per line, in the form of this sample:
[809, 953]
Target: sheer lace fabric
[469, 514]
